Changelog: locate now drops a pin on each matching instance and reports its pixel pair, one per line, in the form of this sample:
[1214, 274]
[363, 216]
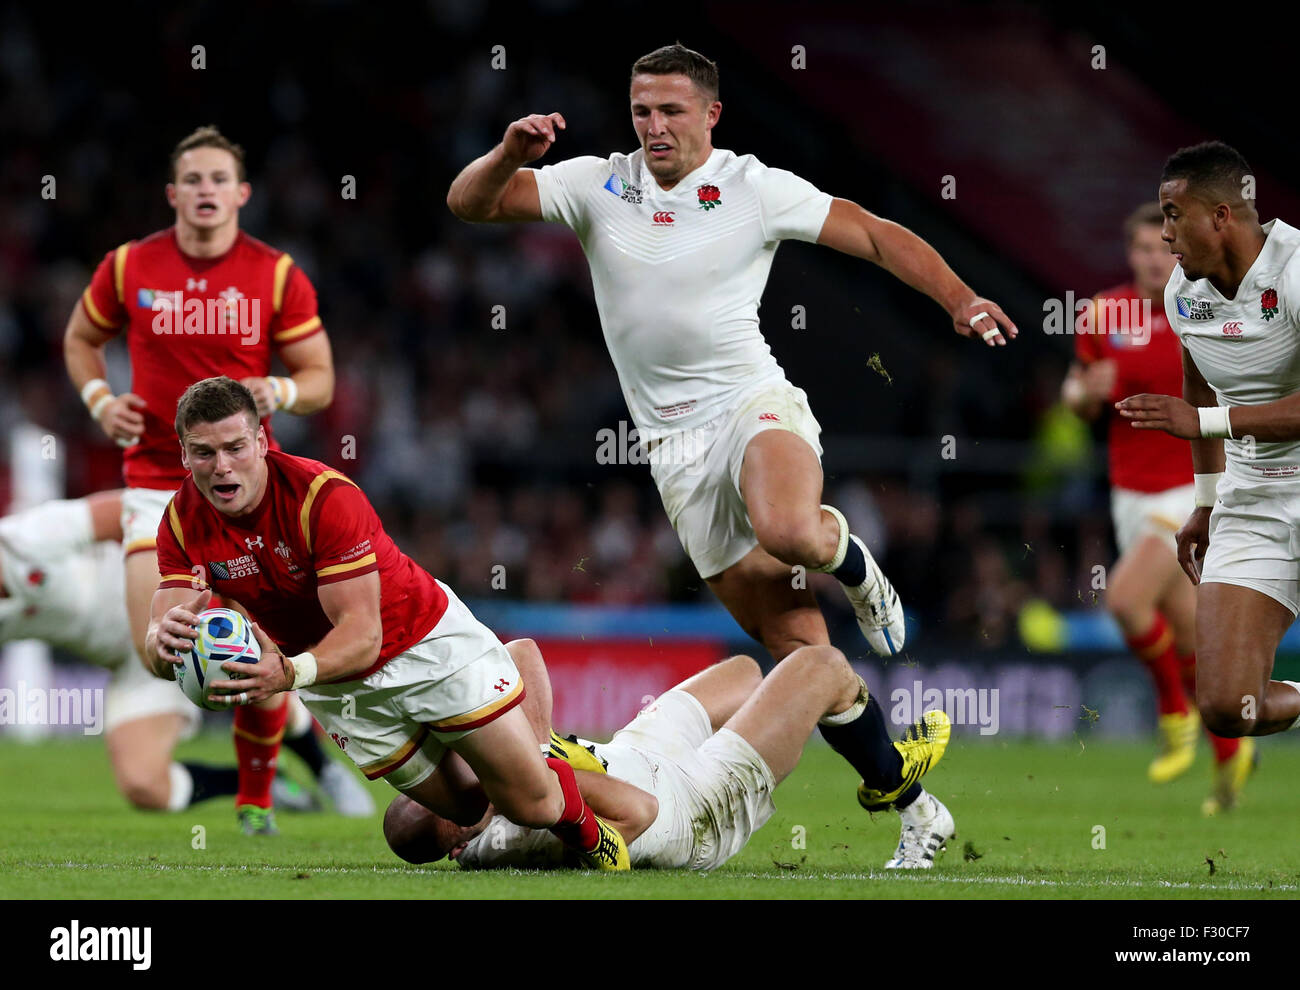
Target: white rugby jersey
[1247, 348]
[678, 275]
[61, 586]
[669, 843]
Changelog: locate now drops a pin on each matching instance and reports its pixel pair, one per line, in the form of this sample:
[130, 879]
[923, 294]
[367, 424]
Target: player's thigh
[141, 582]
[782, 713]
[772, 602]
[1139, 578]
[452, 791]
[140, 750]
[1238, 630]
[780, 481]
[505, 757]
[724, 687]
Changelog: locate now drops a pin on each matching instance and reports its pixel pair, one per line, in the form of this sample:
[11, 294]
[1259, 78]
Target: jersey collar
[1262, 264]
[686, 182]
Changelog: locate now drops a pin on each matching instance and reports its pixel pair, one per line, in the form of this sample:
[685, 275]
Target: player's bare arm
[1207, 459]
[105, 515]
[496, 188]
[83, 354]
[852, 230]
[173, 627]
[1087, 387]
[1268, 422]
[310, 363]
[352, 646]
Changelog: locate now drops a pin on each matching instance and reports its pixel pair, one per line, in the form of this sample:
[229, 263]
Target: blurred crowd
[477, 443]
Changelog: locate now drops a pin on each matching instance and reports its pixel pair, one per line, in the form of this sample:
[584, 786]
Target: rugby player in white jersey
[61, 582]
[680, 238]
[1234, 300]
[703, 759]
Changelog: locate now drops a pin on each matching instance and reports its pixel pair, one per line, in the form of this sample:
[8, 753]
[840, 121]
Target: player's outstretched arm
[851, 229]
[173, 626]
[497, 188]
[1267, 422]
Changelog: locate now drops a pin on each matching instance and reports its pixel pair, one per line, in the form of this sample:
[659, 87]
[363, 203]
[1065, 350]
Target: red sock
[1155, 648]
[577, 825]
[257, 744]
[1224, 749]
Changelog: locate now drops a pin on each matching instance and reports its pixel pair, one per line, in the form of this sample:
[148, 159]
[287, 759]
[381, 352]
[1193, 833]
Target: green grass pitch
[1027, 817]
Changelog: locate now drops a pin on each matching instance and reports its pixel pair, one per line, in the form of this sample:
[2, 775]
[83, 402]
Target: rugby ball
[223, 635]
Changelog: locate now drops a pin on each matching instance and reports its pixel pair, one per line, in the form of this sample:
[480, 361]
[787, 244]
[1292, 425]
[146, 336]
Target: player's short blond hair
[208, 137]
[1146, 215]
[677, 59]
[212, 400]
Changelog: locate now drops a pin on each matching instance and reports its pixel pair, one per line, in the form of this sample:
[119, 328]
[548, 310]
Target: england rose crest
[710, 196]
[1268, 304]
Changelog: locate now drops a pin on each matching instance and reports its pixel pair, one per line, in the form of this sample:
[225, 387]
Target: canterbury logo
[1232, 328]
[663, 217]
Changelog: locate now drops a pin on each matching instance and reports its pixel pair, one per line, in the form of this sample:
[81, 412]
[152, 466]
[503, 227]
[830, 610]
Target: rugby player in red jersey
[198, 299]
[1124, 345]
[387, 658]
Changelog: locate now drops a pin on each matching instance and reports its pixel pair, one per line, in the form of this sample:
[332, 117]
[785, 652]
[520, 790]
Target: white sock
[852, 712]
[919, 811]
[1296, 723]
[182, 788]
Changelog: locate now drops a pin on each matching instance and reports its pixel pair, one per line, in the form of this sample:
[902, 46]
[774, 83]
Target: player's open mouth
[207, 208]
[660, 150]
[225, 491]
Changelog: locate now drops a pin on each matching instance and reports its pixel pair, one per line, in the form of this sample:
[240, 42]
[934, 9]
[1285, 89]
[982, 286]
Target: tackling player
[710, 752]
[680, 238]
[389, 660]
[1124, 345]
[1234, 301]
[50, 555]
[197, 299]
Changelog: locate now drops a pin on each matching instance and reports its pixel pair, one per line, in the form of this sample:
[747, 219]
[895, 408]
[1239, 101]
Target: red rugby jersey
[187, 319]
[1140, 460]
[313, 526]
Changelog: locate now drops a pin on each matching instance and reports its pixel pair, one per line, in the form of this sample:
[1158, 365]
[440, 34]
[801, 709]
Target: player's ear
[171, 195]
[262, 444]
[714, 112]
[245, 191]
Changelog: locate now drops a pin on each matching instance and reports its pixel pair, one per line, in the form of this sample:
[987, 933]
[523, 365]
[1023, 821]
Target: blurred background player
[680, 238]
[198, 299]
[1124, 345]
[61, 582]
[710, 751]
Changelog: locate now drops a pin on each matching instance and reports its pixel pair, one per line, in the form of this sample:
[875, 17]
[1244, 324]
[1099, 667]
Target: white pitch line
[1015, 880]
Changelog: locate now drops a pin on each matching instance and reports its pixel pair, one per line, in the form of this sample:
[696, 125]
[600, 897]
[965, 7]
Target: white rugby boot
[927, 827]
[877, 606]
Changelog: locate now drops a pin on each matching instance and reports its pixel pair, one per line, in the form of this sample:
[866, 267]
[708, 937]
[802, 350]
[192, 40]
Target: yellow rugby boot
[922, 746]
[1230, 777]
[576, 755]
[610, 853]
[1178, 750]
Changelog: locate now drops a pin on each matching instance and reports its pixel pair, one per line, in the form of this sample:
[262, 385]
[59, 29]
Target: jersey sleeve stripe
[293, 333]
[351, 565]
[144, 543]
[388, 764]
[282, 266]
[482, 716]
[304, 517]
[96, 317]
[190, 581]
[119, 272]
[174, 518]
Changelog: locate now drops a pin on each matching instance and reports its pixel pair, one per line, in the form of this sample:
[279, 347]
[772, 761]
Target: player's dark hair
[211, 401]
[677, 59]
[208, 137]
[1214, 172]
[1146, 215]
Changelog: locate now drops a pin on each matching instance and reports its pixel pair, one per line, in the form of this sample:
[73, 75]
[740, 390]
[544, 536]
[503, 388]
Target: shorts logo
[663, 218]
[340, 741]
[501, 685]
[1232, 328]
[769, 418]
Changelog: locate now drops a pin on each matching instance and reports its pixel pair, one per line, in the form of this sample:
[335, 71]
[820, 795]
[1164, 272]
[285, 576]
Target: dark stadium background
[478, 445]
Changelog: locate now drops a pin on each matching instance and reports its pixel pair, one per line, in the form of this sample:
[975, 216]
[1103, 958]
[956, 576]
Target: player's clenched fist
[1193, 541]
[528, 138]
[120, 420]
[263, 394]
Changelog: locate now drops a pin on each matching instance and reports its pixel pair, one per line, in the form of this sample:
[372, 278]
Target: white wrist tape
[1215, 423]
[91, 387]
[304, 670]
[290, 394]
[97, 409]
[1207, 487]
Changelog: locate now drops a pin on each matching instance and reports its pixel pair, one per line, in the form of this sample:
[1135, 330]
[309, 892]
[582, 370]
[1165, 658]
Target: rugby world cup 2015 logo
[709, 196]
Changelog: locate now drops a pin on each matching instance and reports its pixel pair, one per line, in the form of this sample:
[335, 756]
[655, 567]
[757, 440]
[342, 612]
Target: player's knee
[1224, 715]
[146, 791]
[821, 663]
[790, 538]
[523, 648]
